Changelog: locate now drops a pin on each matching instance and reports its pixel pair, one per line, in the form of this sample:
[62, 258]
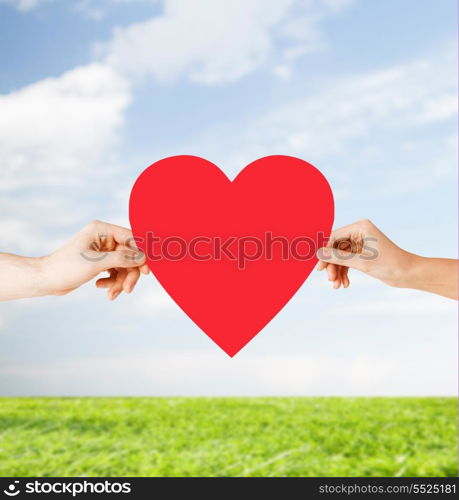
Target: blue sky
[92, 92]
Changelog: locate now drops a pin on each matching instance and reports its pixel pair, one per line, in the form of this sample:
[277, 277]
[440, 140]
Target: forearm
[20, 277]
[433, 275]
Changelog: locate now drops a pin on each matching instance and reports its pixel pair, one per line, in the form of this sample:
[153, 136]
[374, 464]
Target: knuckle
[94, 223]
[369, 222]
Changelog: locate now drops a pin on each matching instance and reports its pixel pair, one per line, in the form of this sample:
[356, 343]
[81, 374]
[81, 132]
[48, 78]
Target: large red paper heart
[231, 254]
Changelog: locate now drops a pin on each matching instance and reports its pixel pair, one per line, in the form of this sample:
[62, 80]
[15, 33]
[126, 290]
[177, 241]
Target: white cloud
[351, 108]
[54, 130]
[356, 128]
[56, 133]
[282, 71]
[215, 41]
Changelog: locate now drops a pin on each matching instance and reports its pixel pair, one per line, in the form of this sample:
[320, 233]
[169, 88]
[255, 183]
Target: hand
[98, 247]
[364, 247]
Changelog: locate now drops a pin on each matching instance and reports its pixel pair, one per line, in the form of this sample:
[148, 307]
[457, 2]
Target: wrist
[38, 276]
[43, 271]
[412, 271]
[433, 275]
[406, 271]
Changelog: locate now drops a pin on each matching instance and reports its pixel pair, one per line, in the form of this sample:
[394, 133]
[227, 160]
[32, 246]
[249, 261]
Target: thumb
[343, 258]
[118, 258]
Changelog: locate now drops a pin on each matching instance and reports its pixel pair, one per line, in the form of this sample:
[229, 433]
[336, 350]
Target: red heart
[231, 254]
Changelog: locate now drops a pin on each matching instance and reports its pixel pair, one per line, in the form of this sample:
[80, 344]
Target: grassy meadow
[228, 436]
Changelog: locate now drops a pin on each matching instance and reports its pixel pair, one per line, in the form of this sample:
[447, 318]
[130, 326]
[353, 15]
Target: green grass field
[228, 437]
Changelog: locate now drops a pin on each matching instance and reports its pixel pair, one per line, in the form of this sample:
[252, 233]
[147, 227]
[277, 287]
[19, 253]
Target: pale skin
[99, 247]
[364, 247]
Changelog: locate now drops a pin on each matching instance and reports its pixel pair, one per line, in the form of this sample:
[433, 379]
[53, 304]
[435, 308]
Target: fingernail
[115, 295]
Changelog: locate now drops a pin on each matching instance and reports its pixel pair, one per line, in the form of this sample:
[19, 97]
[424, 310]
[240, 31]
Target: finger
[343, 258]
[105, 283]
[345, 277]
[112, 233]
[342, 275]
[144, 269]
[322, 265]
[346, 232]
[122, 257]
[132, 276]
[332, 272]
[119, 233]
[103, 243]
[108, 281]
[117, 287]
[338, 281]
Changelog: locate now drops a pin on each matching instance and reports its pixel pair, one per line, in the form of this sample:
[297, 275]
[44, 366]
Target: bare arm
[433, 275]
[97, 248]
[20, 277]
[364, 247]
